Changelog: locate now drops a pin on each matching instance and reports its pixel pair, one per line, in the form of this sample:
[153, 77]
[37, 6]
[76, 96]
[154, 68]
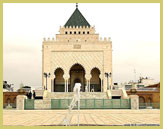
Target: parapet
[77, 30]
[49, 39]
[105, 39]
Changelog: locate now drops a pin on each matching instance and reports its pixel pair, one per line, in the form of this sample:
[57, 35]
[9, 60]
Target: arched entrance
[8, 101]
[95, 82]
[141, 102]
[149, 101]
[77, 75]
[141, 99]
[59, 84]
[77, 80]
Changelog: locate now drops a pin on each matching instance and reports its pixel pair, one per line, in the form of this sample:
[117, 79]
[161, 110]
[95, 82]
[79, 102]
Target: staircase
[83, 95]
[39, 93]
[119, 92]
[116, 92]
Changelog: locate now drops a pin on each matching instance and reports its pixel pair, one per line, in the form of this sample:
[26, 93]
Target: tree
[5, 85]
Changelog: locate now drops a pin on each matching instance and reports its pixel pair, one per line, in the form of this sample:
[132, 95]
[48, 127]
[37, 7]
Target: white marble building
[77, 54]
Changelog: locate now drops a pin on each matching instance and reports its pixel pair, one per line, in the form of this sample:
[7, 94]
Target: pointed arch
[95, 81]
[142, 102]
[58, 68]
[77, 64]
[59, 81]
[95, 68]
[77, 74]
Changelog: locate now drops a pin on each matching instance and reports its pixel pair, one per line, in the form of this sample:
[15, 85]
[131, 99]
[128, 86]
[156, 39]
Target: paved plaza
[87, 117]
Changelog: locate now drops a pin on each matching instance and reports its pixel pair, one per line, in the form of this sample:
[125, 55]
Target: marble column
[88, 77]
[52, 83]
[101, 84]
[100, 76]
[89, 85]
[65, 85]
[66, 76]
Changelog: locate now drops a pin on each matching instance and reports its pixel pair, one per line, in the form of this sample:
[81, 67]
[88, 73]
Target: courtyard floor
[87, 117]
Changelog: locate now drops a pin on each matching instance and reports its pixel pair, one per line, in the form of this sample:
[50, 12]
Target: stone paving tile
[97, 119]
[87, 117]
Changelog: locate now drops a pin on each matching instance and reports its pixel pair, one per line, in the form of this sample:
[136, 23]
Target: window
[149, 100]
[83, 32]
[127, 87]
[66, 32]
[70, 32]
[79, 32]
[141, 100]
[74, 32]
[140, 86]
[87, 32]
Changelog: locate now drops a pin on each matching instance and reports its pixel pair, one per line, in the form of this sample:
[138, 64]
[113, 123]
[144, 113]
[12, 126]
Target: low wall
[42, 104]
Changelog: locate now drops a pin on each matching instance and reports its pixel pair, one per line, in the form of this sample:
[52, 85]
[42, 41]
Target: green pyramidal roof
[77, 19]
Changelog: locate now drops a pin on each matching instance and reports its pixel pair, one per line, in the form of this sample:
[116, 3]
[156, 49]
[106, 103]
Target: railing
[28, 104]
[93, 104]
[149, 105]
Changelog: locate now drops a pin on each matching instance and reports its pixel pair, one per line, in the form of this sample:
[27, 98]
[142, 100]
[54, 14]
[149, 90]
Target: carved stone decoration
[77, 46]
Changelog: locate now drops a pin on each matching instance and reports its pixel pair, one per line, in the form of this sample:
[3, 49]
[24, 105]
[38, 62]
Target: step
[116, 92]
[83, 95]
[39, 92]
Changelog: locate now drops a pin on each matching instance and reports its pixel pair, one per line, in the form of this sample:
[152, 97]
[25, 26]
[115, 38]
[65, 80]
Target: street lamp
[46, 75]
[108, 75]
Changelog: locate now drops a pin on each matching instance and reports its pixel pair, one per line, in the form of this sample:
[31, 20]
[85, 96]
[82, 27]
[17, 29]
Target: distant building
[149, 96]
[10, 97]
[26, 88]
[146, 81]
[141, 83]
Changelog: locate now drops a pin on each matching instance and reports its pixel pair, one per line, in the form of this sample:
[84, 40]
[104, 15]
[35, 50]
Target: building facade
[10, 97]
[148, 96]
[76, 55]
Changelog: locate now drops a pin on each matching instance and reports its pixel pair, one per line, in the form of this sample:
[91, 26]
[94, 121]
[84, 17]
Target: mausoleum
[77, 55]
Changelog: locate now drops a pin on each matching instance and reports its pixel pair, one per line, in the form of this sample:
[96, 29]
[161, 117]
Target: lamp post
[108, 75]
[46, 75]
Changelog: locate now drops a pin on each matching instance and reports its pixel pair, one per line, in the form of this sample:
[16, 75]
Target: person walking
[30, 95]
[34, 94]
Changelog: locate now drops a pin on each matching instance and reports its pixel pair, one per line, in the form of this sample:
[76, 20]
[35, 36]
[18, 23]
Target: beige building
[77, 54]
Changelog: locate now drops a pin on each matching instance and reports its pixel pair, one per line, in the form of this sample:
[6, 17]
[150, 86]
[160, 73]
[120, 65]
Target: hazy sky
[133, 28]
